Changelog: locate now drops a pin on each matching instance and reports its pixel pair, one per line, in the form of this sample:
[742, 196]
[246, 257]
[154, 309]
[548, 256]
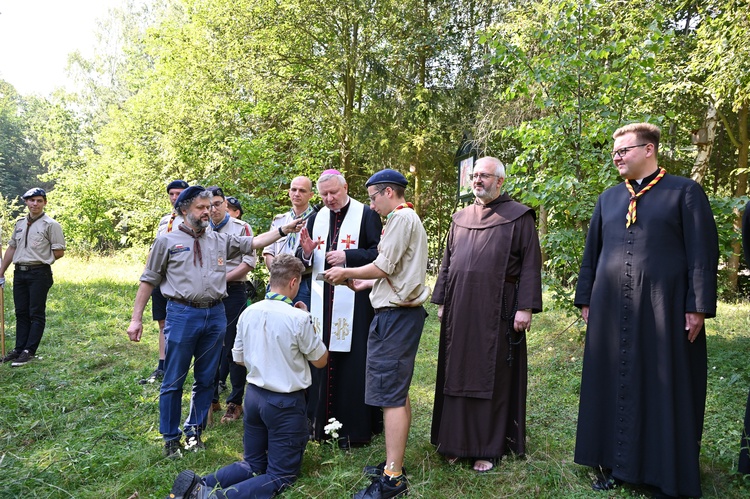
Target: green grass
[75, 424]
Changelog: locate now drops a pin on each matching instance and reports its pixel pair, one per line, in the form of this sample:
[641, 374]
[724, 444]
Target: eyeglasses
[216, 204]
[483, 176]
[624, 150]
[380, 191]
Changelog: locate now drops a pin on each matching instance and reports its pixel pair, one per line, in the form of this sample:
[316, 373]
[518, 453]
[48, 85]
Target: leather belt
[197, 304]
[26, 268]
[384, 309]
[232, 284]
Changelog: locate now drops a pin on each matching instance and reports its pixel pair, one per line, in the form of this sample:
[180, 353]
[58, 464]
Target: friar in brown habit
[488, 287]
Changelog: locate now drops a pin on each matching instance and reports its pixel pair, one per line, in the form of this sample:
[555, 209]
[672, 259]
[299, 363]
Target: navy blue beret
[36, 191]
[177, 184]
[189, 194]
[234, 203]
[215, 190]
[387, 176]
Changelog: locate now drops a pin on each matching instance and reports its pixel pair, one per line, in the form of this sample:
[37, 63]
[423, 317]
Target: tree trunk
[543, 228]
[704, 148]
[742, 137]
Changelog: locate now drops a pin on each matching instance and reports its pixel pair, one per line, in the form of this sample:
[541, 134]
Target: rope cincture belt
[630, 218]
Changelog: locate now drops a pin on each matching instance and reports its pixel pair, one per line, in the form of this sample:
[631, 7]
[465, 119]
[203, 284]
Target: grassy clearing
[75, 424]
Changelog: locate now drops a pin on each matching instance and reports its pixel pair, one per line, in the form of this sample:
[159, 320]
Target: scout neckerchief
[342, 312]
[630, 218]
[399, 207]
[278, 297]
[29, 221]
[171, 221]
[291, 239]
[195, 235]
[221, 224]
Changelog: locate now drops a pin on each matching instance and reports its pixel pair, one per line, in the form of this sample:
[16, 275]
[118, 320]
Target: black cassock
[338, 390]
[743, 465]
[643, 387]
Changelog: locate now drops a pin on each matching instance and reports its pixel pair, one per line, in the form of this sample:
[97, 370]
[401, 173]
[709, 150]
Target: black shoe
[155, 376]
[605, 481]
[188, 485]
[172, 449]
[375, 472]
[384, 488]
[22, 359]
[12, 355]
[194, 443]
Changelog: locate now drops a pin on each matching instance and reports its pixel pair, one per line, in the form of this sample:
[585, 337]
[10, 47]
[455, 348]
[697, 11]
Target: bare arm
[9, 252]
[239, 273]
[136, 322]
[338, 275]
[263, 240]
[321, 362]
[58, 253]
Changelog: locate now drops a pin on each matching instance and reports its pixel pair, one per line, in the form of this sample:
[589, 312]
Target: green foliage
[77, 424]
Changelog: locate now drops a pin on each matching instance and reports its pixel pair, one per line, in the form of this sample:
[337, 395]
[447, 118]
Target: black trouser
[30, 288]
[234, 304]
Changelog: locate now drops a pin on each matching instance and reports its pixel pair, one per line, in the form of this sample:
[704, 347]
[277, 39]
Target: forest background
[247, 94]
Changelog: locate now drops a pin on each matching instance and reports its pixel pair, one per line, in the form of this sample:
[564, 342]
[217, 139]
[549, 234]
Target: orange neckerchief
[630, 218]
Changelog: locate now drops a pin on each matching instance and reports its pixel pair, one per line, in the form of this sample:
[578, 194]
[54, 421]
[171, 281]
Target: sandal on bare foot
[484, 465]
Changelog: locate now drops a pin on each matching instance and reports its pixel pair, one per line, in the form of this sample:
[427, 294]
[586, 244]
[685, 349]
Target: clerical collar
[640, 181]
[343, 208]
[278, 297]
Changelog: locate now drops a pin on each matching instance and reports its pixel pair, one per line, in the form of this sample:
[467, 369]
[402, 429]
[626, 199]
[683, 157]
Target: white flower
[332, 428]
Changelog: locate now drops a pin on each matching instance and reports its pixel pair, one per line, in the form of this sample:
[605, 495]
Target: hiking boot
[172, 449]
[188, 485]
[155, 376]
[12, 355]
[234, 412]
[384, 488]
[375, 472]
[22, 359]
[194, 443]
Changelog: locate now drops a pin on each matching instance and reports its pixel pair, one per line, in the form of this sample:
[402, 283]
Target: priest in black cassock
[489, 285]
[343, 233]
[647, 282]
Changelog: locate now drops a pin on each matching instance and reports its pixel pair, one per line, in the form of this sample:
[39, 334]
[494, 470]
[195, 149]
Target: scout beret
[177, 184]
[189, 194]
[215, 190]
[234, 203]
[36, 191]
[387, 176]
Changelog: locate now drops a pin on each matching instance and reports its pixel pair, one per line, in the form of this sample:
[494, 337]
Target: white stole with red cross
[342, 315]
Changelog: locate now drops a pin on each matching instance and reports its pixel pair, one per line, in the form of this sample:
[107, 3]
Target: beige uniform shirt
[402, 254]
[169, 223]
[44, 235]
[238, 228]
[170, 264]
[275, 341]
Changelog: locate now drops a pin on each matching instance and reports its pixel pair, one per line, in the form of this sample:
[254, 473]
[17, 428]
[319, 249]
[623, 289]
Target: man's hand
[585, 313]
[135, 330]
[336, 258]
[308, 245]
[693, 324]
[360, 284]
[295, 225]
[301, 305]
[440, 312]
[522, 321]
[336, 275]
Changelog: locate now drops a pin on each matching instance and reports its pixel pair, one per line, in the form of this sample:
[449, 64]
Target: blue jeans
[234, 304]
[274, 441]
[30, 288]
[190, 332]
